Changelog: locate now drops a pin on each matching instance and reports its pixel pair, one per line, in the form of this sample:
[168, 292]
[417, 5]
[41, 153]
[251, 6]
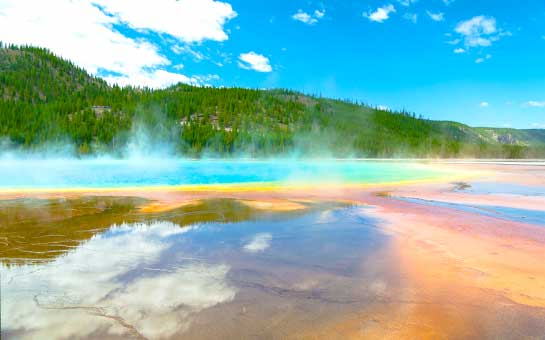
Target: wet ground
[536, 217]
[441, 260]
[98, 268]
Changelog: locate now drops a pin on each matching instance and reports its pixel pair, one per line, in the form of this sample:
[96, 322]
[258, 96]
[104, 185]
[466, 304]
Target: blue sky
[478, 62]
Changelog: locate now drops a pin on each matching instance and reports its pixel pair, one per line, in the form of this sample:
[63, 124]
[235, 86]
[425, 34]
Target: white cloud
[407, 3]
[483, 59]
[157, 79]
[459, 50]
[319, 14]
[383, 108]
[187, 20]
[480, 31]
[484, 104]
[534, 103]
[81, 31]
[436, 16]
[479, 25]
[185, 49]
[259, 243]
[254, 61]
[381, 14]
[538, 125]
[448, 2]
[304, 17]
[309, 19]
[412, 17]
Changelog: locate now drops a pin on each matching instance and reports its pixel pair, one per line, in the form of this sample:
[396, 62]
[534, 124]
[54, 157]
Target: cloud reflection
[115, 284]
[259, 243]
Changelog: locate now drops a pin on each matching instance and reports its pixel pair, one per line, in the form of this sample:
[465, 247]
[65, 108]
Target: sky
[478, 62]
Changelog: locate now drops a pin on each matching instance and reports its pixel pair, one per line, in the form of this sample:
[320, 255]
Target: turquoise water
[159, 172]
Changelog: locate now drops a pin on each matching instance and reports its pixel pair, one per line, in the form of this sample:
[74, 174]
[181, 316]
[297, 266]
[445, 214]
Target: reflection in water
[259, 243]
[159, 279]
[112, 285]
[42, 229]
[102, 268]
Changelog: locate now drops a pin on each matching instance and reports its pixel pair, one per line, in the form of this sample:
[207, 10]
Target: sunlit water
[536, 217]
[219, 279]
[33, 174]
[93, 267]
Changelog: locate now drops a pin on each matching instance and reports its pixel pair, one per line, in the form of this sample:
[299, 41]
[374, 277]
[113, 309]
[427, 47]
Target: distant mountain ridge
[46, 101]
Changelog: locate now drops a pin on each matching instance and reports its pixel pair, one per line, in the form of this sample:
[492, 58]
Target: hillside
[46, 101]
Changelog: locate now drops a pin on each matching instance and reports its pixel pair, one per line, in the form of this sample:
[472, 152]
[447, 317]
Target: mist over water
[146, 160]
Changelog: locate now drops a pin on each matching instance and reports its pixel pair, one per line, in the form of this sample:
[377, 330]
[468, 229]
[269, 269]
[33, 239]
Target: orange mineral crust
[461, 270]
[461, 275]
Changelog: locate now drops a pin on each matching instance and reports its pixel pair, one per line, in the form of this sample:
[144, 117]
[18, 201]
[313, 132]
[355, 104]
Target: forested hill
[46, 101]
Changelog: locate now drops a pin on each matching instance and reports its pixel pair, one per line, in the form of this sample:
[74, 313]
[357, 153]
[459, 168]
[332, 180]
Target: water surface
[33, 174]
[536, 217]
[234, 273]
[491, 188]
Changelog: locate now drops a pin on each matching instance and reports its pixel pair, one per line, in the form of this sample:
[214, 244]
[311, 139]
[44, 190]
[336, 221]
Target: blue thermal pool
[35, 174]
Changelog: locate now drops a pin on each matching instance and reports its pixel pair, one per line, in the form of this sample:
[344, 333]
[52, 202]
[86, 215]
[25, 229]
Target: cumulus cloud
[188, 20]
[479, 31]
[436, 16]
[381, 14]
[160, 79]
[153, 79]
[85, 32]
[309, 19]
[254, 61]
[459, 50]
[484, 104]
[259, 243]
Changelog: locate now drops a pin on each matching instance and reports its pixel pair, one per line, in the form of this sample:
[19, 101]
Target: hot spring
[108, 173]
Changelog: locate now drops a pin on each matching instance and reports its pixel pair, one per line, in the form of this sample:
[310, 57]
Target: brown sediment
[41, 229]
